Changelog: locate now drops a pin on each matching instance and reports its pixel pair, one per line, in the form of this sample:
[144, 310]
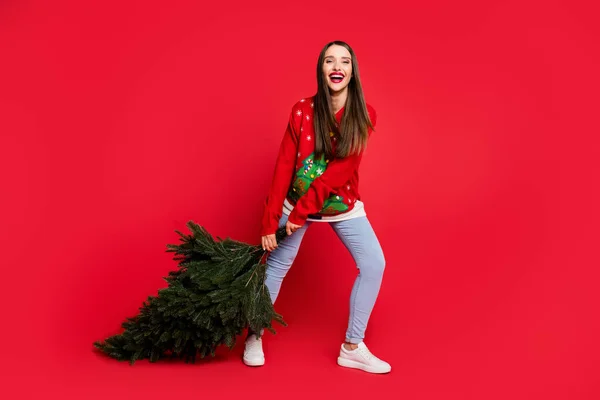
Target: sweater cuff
[296, 217]
[270, 223]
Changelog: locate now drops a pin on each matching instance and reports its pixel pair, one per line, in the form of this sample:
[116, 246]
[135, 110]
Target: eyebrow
[347, 58]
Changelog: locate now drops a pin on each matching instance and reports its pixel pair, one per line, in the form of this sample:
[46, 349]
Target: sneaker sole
[254, 363]
[354, 364]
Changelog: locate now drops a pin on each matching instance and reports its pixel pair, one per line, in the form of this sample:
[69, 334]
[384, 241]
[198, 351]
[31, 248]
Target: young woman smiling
[316, 180]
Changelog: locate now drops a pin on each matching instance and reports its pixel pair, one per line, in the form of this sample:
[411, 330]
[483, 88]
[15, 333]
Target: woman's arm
[282, 177]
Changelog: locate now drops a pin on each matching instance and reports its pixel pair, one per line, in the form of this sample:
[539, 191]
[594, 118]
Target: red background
[121, 121]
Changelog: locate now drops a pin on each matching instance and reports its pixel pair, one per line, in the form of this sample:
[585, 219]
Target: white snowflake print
[308, 137]
[301, 129]
[298, 154]
[319, 171]
[348, 187]
[299, 112]
[302, 101]
[307, 117]
[312, 104]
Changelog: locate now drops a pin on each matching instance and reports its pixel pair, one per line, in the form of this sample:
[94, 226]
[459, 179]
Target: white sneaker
[253, 352]
[362, 358]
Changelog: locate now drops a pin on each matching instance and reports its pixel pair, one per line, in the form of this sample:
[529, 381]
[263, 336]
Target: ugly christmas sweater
[314, 189]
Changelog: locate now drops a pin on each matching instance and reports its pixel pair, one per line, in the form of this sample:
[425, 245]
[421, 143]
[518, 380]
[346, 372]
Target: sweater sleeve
[338, 173]
[282, 177]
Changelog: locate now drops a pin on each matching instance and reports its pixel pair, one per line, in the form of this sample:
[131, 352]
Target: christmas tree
[217, 292]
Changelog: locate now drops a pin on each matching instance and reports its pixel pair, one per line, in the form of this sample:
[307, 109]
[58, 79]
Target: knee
[373, 266]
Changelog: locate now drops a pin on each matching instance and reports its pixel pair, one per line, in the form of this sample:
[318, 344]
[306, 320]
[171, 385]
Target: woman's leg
[360, 239]
[281, 259]
[278, 263]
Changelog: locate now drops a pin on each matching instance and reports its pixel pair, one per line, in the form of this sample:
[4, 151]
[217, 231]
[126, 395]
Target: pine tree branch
[216, 293]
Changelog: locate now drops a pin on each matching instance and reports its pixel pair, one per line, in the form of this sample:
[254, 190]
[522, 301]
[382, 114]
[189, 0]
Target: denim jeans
[360, 239]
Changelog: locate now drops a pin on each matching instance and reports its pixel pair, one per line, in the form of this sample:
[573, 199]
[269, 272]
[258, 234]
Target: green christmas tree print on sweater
[306, 175]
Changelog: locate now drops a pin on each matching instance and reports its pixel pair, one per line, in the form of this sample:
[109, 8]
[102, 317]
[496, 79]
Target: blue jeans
[360, 239]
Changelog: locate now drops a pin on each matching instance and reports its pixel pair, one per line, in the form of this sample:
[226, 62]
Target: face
[337, 68]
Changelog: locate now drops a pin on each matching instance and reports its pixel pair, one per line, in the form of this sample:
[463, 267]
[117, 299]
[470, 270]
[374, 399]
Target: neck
[338, 99]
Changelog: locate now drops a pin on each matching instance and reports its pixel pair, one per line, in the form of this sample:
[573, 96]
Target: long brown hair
[353, 130]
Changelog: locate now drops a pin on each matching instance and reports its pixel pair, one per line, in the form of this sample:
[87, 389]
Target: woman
[316, 180]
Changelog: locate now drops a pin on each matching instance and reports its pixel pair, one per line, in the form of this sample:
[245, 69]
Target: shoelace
[365, 353]
[253, 344]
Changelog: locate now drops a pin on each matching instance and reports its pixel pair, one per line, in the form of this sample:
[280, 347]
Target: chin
[337, 89]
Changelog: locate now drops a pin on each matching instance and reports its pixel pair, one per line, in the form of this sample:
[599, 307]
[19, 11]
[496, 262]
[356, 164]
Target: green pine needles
[217, 292]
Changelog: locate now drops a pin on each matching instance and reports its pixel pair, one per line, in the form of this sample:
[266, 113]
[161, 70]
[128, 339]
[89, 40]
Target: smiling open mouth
[336, 78]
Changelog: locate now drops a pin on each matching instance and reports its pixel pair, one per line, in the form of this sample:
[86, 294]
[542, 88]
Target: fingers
[291, 228]
[269, 242]
[272, 242]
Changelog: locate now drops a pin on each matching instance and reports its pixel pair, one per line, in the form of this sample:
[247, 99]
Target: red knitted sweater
[316, 187]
